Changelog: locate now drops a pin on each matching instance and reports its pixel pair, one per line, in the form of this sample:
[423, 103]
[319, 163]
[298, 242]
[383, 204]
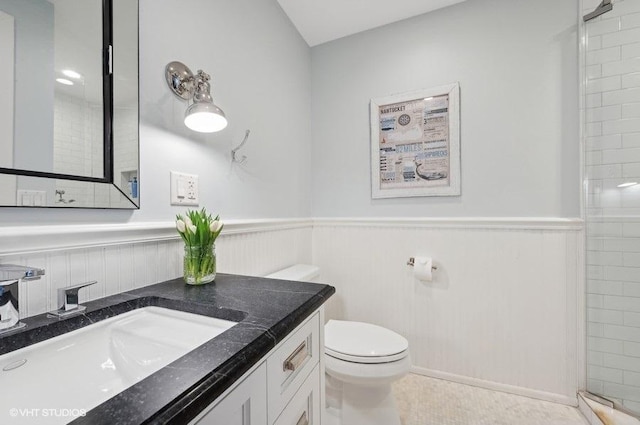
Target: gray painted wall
[517, 68]
[517, 64]
[261, 77]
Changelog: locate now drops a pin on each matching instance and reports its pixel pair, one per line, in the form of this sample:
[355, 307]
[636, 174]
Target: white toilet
[361, 360]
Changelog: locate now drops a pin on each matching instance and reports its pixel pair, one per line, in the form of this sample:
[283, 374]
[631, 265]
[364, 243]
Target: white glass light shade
[71, 74]
[205, 117]
[627, 184]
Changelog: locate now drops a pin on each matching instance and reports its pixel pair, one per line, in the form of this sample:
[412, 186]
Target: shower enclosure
[610, 99]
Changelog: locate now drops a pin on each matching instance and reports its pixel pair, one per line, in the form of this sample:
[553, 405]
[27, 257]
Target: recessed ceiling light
[71, 74]
[64, 81]
[627, 184]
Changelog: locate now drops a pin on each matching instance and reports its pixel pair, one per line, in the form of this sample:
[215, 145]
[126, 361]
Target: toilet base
[360, 405]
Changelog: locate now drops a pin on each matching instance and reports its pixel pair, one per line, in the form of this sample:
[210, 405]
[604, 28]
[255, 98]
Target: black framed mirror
[69, 122]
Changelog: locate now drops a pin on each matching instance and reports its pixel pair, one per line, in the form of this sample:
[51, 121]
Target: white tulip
[180, 225]
[215, 226]
[188, 222]
[193, 229]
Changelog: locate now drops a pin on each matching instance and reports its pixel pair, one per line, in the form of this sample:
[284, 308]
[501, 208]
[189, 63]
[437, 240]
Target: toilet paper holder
[412, 262]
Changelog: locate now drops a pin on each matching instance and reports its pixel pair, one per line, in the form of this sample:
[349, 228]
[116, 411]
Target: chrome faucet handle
[10, 277]
[11, 273]
[68, 300]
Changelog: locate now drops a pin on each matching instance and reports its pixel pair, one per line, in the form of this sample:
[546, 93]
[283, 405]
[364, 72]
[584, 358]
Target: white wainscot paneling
[501, 311]
[122, 259]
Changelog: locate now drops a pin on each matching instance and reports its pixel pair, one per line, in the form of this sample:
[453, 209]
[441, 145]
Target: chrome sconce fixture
[202, 115]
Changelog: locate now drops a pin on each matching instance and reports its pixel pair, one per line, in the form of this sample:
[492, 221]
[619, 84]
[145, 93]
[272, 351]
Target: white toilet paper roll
[422, 268]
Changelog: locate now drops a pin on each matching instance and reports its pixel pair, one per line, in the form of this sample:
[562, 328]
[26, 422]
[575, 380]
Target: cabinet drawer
[245, 404]
[304, 407]
[290, 364]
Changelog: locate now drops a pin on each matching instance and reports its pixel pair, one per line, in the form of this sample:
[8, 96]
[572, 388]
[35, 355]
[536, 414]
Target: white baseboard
[495, 386]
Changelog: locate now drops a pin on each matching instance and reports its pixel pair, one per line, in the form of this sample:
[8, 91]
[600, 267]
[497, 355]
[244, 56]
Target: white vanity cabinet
[286, 387]
[245, 405]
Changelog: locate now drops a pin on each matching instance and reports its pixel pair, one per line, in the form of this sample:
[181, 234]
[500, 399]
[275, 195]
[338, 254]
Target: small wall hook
[234, 158]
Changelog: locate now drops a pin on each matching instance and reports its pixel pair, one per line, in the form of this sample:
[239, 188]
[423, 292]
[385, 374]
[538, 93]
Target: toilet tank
[301, 272]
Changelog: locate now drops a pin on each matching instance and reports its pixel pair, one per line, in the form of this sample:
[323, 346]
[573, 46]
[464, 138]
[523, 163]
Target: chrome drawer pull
[297, 358]
[303, 419]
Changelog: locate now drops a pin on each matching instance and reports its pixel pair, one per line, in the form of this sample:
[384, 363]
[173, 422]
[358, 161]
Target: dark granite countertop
[267, 310]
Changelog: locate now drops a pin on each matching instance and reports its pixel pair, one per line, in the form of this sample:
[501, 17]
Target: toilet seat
[366, 360]
[359, 342]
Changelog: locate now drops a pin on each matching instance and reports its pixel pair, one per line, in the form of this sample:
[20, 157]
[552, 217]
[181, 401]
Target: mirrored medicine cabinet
[69, 120]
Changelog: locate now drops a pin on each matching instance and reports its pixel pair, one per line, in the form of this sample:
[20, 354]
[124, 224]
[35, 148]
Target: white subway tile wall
[612, 145]
[125, 149]
[123, 267]
[77, 145]
[78, 149]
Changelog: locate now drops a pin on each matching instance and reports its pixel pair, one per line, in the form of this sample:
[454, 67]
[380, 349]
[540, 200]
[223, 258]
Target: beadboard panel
[259, 253]
[257, 248]
[500, 313]
[501, 310]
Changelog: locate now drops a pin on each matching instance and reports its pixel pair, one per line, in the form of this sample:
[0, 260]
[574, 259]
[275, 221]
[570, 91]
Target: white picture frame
[415, 143]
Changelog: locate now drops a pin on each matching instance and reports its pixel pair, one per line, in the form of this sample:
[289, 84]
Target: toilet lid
[352, 340]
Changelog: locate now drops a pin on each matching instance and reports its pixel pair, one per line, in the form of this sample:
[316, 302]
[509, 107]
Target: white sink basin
[84, 368]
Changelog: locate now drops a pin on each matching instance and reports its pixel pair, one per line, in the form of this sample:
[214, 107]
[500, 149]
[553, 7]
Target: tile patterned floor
[428, 401]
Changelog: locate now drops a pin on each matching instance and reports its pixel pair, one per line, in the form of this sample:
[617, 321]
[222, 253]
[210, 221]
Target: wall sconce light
[203, 115]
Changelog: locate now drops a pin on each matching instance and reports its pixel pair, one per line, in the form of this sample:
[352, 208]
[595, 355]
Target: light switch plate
[184, 189]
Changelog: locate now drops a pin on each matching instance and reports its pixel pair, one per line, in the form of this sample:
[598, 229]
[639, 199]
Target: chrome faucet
[68, 301]
[10, 277]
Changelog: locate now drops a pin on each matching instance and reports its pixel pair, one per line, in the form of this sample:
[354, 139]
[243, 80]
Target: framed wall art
[415, 143]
